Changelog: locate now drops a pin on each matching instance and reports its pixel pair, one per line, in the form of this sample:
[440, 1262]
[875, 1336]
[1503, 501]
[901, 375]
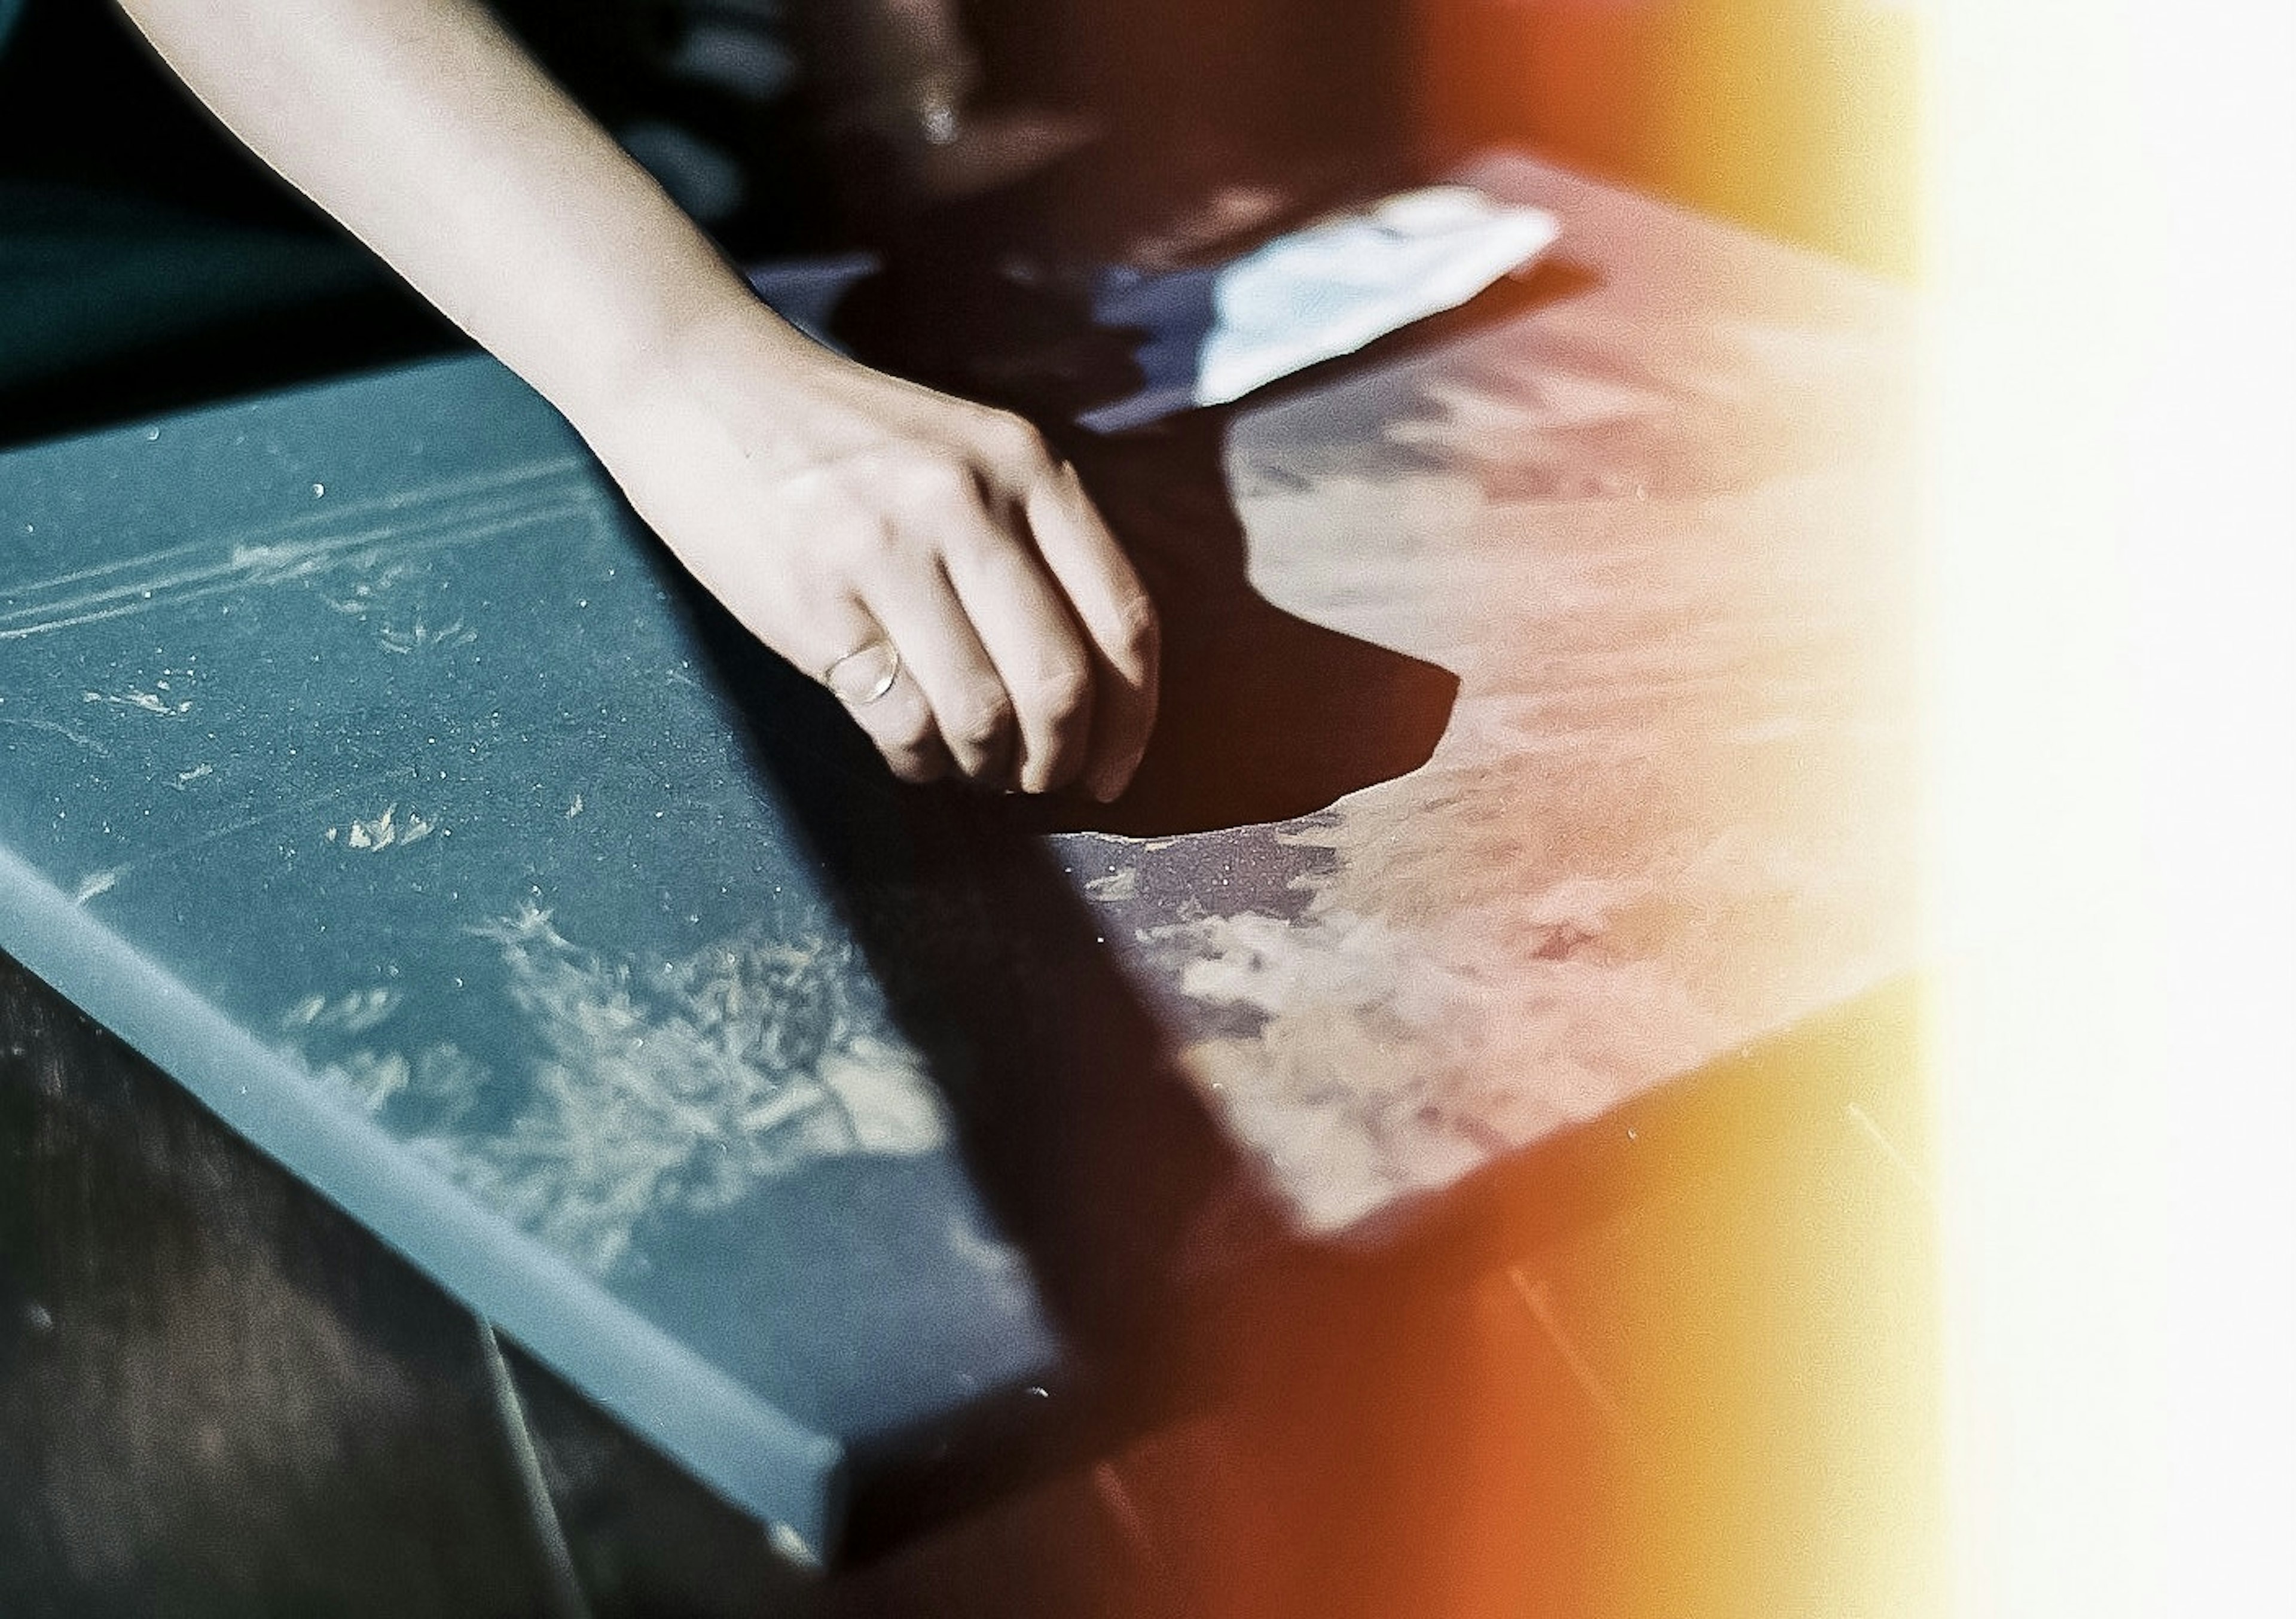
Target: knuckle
[906, 733]
[1014, 444]
[983, 549]
[1137, 626]
[1058, 691]
[980, 722]
[924, 488]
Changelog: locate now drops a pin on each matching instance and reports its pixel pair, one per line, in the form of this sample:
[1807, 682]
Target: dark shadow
[1007, 326]
[1093, 1152]
[1264, 716]
[1096, 1156]
[222, 1394]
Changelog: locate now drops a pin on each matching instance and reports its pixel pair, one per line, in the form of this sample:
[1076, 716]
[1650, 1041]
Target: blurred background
[145, 263]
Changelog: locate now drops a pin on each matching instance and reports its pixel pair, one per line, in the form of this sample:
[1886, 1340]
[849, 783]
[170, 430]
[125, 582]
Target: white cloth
[1332, 288]
[1212, 335]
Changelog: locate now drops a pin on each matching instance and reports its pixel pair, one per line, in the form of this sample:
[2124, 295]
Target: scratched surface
[1656, 525]
[363, 721]
[1539, 728]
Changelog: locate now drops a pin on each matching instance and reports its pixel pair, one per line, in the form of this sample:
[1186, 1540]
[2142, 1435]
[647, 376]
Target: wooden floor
[1681, 1361]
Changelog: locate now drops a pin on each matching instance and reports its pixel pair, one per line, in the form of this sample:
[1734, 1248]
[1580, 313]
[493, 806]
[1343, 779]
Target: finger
[1040, 654]
[942, 655]
[1118, 620]
[892, 712]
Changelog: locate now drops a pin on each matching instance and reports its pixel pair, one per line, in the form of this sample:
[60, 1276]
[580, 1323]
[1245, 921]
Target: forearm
[426, 131]
[835, 511]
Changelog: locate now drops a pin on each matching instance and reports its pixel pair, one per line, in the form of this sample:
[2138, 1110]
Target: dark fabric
[83, 102]
[88, 275]
[142, 251]
[147, 262]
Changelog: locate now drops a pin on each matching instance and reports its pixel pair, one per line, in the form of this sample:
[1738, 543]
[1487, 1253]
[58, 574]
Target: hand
[863, 527]
[834, 510]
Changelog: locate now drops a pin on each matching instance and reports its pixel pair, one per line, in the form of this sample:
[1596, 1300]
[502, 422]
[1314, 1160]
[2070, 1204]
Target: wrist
[717, 352]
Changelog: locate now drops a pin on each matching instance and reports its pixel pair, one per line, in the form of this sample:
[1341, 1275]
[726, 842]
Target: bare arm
[827, 505]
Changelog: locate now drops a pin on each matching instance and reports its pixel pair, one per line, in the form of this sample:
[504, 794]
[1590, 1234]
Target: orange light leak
[1799, 118]
[1687, 1364]
[1683, 1364]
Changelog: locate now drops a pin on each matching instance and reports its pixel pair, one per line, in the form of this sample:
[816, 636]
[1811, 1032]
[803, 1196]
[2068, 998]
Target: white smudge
[655, 1086]
[149, 702]
[1116, 886]
[422, 637]
[385, 831]
[353, 1013]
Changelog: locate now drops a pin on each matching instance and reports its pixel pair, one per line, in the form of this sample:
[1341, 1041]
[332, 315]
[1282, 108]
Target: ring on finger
[864, 675]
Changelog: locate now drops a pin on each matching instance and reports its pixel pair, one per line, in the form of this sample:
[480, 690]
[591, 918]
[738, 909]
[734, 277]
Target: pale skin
[828, 506]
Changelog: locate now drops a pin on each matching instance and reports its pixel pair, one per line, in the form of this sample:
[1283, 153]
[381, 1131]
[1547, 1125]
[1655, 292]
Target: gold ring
[858, 686]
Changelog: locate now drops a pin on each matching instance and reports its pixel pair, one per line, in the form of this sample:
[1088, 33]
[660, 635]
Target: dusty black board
[362, 763]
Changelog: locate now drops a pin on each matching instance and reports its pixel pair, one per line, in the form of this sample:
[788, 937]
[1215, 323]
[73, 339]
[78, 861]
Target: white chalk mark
[269, 567]
[377, 833]
[1115, 887]
[161, 857]
[654, 1085]
[354, 1013]
[64, 731]
[446, 514]
[437, 494]
[97, 883]
[149, 702]
[422, 637]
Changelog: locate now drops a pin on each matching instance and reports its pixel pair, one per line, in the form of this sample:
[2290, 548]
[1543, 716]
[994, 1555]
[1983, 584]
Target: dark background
[146, 263]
